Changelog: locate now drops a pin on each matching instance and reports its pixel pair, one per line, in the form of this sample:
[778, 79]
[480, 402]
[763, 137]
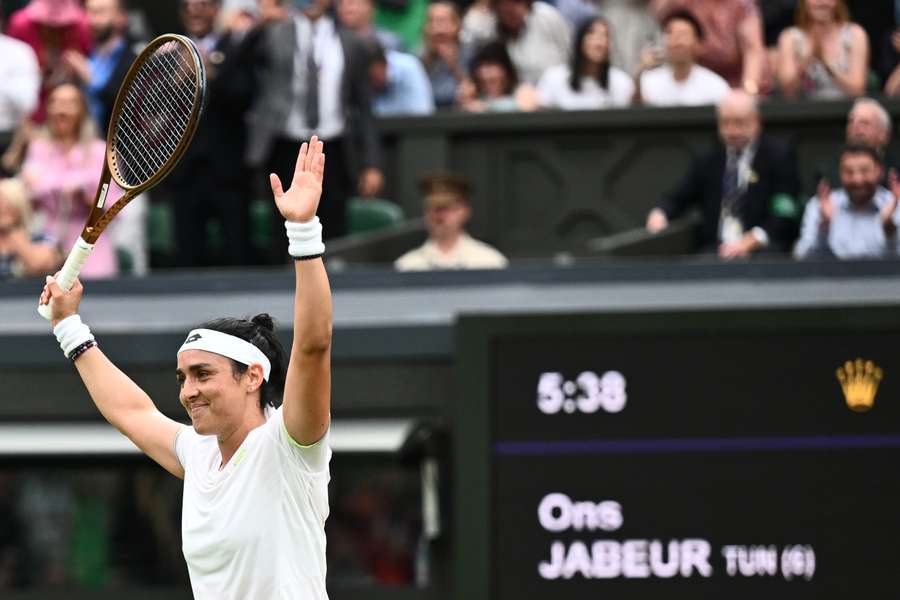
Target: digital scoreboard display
[719, 463]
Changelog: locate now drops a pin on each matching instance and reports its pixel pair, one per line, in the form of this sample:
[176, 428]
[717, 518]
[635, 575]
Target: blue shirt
[102, 67]
[854, 232]
[408, 90]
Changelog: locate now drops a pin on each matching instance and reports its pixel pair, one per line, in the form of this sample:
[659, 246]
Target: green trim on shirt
[295, 442]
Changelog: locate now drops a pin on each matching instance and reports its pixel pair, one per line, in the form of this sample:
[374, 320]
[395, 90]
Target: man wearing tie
[314, 80]
[745, 188]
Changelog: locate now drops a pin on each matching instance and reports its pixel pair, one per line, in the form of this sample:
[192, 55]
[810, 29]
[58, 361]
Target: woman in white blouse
[590, 82]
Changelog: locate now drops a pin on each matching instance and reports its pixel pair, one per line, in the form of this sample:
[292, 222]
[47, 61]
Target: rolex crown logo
[859, 380]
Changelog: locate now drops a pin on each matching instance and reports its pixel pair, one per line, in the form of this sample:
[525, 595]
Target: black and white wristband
[305, 239]
[74, 337]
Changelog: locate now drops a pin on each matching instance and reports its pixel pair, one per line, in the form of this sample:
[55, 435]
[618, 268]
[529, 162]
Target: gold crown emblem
[859, 380]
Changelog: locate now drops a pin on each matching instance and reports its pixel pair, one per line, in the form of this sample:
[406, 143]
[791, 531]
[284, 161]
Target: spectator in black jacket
[745, 188]
[211, 181]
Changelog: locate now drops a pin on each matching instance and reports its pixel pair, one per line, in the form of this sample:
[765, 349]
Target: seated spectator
[634, 28]
[19, 93]
[590, 82]
[358, 16]
[744, 188]
[22, 254]
[443, 55]
[62, 168]
[447, 210]
[495, 87]
[102, 71]
[733, 42]
[51, 27]
[399, 84]
[679, 80]
[824, 56]
[857, 221]
[537, 37]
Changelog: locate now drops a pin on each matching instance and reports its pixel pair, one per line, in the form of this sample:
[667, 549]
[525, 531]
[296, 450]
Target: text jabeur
[652, 558]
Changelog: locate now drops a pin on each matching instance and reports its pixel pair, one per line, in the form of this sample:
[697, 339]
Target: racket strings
[156, 113]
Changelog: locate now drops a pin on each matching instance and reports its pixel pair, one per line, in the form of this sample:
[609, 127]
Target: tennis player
[255, 462]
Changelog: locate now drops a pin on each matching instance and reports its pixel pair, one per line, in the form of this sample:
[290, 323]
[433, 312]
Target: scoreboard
[698, 455]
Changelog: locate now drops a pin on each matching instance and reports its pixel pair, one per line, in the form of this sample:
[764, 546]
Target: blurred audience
[314, 80]
[536, 35]
[61, 170]
[869, 123]
[634, 29]
[102, 72]
[777, 16]
[590, 82]
[211, 181]
[745, 188]
[22, 253]
[447, 211]
[890, 60]
[446, 60]
[675, 79]
[576, 12]
[358, 16]
[824, 55]
[51, 27]
[21, 78]
[732, 44]
[399, 84]
[860, 219]
[495, 86]
[100, 75]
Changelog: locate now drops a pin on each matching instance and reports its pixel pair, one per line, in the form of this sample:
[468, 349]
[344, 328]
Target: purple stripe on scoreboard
[709, 445]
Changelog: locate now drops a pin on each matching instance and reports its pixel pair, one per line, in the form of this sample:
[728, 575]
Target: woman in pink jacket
[62, 168]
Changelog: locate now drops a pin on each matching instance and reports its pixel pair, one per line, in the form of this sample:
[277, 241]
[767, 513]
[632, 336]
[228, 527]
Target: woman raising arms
[255, 461]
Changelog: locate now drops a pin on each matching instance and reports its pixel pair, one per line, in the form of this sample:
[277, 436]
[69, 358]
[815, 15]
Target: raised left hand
[300, 202]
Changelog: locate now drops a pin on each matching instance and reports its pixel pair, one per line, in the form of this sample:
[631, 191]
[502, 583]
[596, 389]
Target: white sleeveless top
[817, 83]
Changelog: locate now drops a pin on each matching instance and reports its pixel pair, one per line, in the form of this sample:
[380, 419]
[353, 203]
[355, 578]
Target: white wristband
[71, 333]
[305, 239]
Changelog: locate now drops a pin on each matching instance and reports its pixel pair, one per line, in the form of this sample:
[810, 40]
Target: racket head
[156, 114]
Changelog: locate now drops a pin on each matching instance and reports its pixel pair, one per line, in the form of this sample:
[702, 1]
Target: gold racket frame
[98, 220]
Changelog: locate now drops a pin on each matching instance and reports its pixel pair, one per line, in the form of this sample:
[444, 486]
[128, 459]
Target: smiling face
[214, 397]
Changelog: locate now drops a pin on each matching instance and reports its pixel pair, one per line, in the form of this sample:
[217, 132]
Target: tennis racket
[153, 121]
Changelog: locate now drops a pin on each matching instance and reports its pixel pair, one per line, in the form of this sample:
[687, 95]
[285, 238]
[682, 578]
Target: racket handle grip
[69, 273]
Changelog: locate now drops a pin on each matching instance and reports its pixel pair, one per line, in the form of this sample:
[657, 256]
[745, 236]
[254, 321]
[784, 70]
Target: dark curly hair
[259, 331]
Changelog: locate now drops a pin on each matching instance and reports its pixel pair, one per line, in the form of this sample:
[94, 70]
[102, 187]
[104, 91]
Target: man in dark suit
[314, 80]
[211, 181]
[745, 188]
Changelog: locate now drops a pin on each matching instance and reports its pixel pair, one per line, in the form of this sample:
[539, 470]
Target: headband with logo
[227, 345]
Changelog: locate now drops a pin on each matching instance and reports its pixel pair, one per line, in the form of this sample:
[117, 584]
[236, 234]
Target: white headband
[227, 345]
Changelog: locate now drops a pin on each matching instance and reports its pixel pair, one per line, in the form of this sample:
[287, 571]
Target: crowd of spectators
[280, 71]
